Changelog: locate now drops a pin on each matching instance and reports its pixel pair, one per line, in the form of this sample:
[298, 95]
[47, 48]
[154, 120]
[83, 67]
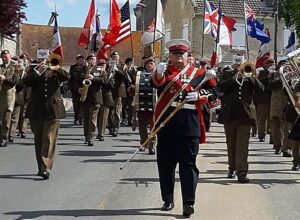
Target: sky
[72, 13]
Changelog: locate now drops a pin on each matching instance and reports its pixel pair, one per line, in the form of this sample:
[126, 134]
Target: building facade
[184, 19]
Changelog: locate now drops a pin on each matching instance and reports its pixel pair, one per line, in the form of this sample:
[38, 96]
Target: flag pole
[154, 34]
[110, 26]
[203, 23]
[219, 24]
[246, 34]
[130, 34]
[276, 31]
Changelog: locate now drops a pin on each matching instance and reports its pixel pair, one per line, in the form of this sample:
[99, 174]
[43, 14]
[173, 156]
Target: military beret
[79, 56]
[114, 53]
[129, 59]
[5, 52]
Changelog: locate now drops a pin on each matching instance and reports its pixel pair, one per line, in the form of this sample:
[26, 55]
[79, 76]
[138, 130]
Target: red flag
[112, 33]
[56, 41]
[89, 26]
[213, 59]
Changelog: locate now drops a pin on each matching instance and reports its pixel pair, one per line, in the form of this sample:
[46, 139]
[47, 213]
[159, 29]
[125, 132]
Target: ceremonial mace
[208, 75]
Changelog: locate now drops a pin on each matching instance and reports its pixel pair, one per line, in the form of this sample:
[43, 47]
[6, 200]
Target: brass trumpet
[247, 69]
[84, 90]
[54, 61]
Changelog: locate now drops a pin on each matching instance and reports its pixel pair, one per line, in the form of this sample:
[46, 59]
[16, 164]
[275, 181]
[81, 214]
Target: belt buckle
[178, 103]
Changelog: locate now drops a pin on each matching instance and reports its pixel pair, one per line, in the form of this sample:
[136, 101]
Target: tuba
[289, 74]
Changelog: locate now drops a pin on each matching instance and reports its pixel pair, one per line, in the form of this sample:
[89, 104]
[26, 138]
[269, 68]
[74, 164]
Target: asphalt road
[87, 183]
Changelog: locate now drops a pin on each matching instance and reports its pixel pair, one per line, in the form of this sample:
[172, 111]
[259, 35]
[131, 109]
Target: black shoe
[44, 173]
[188, 210]
[231, 174]
[295, 167]
[243, 179]
[167, 206]
[277, 151]
[3, 143]
[151, 151]
[10, 139]
[261, 139]
[90, 143]
[287, 153]
[23, 135]
[115, 134]
[100, 137]
[80, 122]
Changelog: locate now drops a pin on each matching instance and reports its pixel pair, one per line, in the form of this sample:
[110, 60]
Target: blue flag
[292, 40]
[256, 30]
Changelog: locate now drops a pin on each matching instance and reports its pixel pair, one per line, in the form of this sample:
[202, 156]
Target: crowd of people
[176, 97]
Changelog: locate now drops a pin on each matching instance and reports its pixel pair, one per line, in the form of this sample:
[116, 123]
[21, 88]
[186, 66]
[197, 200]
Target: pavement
[87, 183]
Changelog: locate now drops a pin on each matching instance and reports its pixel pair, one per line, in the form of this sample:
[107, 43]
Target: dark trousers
[262, 114]
[237, 140]
[18, 120]
[102, 119]
[172, 149]
[45, 138]
[5, 117]
[90, 115]
[145, 118]
[114, 117]
[76, 107]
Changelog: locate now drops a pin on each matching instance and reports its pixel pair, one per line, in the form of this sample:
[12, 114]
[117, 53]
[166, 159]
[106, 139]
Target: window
[238, 37]
[185, 31]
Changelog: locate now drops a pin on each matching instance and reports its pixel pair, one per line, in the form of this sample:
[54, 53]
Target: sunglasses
[178, 52]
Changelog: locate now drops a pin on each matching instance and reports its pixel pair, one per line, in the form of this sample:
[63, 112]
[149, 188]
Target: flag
[263, 52]
[120, 28]
[211, 19]
[56, 41]
[97, 36]
[89, 26]
[158, 27]
[291, 43]
[125, 29]
[216, 56]
[113, 30]
[226, 28]
[254, 27]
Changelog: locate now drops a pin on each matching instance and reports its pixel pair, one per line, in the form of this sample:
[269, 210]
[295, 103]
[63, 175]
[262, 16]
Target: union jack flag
[211, 18]
[249, 13]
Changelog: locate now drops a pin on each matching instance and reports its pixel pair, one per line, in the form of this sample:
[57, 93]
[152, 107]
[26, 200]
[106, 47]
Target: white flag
[158, 21]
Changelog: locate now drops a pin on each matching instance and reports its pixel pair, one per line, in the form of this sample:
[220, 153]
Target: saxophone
[85, 85]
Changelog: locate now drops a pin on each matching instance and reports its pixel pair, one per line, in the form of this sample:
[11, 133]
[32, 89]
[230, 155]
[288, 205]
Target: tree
[11, 16]
[289, 11]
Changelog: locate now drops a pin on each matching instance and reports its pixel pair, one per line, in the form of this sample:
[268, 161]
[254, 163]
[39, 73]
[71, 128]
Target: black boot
[242, 177]
[188, 210]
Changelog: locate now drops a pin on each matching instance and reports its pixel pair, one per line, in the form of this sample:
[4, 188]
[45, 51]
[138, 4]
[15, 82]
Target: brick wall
[40, 36]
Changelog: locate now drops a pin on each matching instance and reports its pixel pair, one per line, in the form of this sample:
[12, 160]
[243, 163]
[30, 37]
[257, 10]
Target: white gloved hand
[204, 92]
[2, 77]
[192, 96]
[161, 68]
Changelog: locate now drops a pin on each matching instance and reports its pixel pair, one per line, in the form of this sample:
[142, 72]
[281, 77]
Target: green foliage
[11, 16]
[289, 10]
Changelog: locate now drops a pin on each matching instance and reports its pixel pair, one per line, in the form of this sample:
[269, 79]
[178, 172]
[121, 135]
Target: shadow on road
[92, 212]
[21, 177]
